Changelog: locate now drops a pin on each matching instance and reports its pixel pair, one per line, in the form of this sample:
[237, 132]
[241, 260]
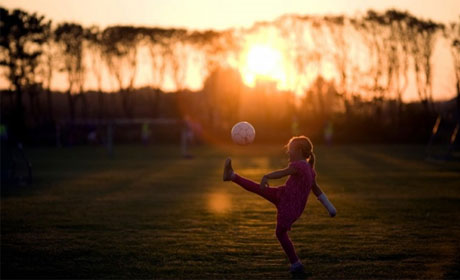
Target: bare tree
[177, 56]
[49, 63]
[70, 37]
[293, 29]
[215, 47]
[398, 54]
[222, 92]
[218, 103]
[376, 36]
[452, 33]
[120, 48]
[158, 41]
[21, 43]
[336, 26]
[320, 52]
[297, 31]
[95, 47]
[424, 35]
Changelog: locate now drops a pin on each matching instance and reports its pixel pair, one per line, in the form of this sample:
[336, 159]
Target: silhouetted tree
[221, 97]
[21, 40]
[452, 33]
[297, 32]
[376, 34]
[95, 47]
[377, 40]
[120, 48]
[70, 38]
[48, 66]
[336, 26]
[319, 53]
[157, 41]
[177, 56]
[293, 30]
[398, 55]
[423, 34]
[215, 46]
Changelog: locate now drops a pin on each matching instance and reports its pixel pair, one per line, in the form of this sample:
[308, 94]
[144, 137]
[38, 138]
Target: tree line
[395, 45]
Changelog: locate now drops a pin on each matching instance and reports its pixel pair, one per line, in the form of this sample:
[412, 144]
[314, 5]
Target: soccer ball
[243, 133]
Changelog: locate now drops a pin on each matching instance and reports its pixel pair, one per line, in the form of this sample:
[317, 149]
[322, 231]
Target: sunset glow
[270, 43]
[263, 62]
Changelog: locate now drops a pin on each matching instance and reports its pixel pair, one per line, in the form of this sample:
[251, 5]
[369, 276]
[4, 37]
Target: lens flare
[219, 203]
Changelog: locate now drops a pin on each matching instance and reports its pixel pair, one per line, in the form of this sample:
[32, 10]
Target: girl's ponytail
[311, 160]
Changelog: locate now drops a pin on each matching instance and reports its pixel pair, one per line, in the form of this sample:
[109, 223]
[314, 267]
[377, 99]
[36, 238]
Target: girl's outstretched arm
[323, 199]
[316, 189]
[277, 175]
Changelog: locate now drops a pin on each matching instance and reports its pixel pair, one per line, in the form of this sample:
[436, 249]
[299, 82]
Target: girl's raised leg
[270, 194]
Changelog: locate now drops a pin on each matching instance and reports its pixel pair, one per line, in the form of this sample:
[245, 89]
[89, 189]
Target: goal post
[144, 125]
[443, 139]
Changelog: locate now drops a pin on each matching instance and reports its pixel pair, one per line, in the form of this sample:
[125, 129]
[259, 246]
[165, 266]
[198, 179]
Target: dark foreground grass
[148, 213]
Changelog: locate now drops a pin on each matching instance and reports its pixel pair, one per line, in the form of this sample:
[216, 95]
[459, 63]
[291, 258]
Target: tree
[303, 52]
[399, 53]
[94, 40]
[157, 41]
[47, 67]
[21, 43]
[452, 33]
[376, 36]
[177, 57]
[293, 30]
[120, 47]
[215, 47]
[336, 26]
[424, 35]
[221, 95]
[70, 37]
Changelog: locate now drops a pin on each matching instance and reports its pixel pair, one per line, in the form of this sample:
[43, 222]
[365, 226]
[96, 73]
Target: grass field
[148, 213]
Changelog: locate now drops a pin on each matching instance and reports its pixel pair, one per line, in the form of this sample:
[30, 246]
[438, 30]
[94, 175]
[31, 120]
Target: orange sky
[223, 14]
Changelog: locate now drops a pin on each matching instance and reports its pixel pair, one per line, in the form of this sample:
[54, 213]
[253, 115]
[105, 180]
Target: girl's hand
[264, 182]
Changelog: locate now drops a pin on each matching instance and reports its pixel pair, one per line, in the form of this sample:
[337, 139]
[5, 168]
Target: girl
[291, 198]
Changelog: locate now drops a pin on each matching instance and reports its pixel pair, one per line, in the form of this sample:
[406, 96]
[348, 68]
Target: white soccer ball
[243, 133]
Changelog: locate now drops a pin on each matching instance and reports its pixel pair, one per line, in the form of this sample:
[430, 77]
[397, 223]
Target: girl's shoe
[228, 170]
[297, 268]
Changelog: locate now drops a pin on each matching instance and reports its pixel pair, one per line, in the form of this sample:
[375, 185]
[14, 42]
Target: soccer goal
[443, 143]
[144, 131]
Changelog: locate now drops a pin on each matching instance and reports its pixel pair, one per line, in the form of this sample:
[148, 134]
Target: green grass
[148, 213]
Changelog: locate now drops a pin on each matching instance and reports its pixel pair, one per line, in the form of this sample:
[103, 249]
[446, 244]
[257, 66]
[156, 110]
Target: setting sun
[263, 62]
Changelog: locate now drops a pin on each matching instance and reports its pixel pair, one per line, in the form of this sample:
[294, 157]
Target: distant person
[295, 127]
[3, 132]
[290, 199]
[191, 132]
[328, 132]
[92, 135]
[145, 133]
[186, 137]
